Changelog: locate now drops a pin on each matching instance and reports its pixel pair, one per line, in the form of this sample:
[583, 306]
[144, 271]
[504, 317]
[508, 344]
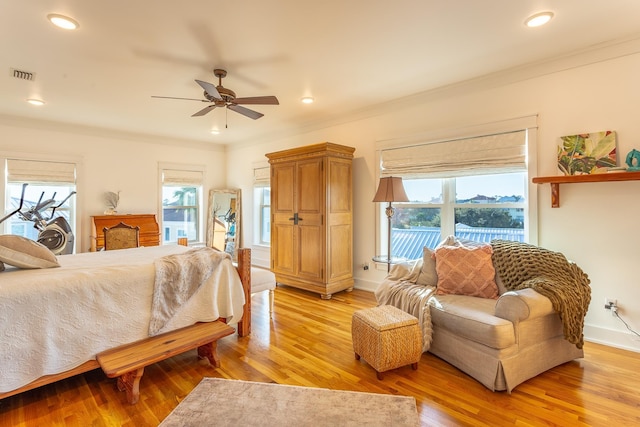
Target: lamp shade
[390, 189]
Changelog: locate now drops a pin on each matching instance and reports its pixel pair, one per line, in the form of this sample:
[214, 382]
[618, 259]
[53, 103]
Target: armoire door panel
[282, 189]
[340, 251]
[310, 183]
[282, 254]
[310, 252]
[340, 195]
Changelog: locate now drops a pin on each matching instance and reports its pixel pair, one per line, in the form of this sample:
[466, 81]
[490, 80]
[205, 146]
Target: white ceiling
[348, 54]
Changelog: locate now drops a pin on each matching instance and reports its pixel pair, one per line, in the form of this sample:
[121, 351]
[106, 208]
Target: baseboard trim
[366, 285]
[612, 338]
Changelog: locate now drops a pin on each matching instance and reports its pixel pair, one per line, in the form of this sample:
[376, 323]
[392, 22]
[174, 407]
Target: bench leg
[130, 382]
[210, 351]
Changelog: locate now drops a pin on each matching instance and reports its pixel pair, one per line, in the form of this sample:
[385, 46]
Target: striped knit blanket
[521, 265]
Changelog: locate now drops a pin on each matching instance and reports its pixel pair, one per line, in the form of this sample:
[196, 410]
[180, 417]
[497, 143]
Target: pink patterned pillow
[466, 271]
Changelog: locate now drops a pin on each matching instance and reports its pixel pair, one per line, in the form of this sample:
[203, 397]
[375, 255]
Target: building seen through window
[479, 207]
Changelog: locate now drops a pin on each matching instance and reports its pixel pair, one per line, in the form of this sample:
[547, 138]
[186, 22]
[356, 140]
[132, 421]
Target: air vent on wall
[23, 75]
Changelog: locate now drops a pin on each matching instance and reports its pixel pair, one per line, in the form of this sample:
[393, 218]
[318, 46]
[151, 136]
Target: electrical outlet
[365, 265]
[610, 302]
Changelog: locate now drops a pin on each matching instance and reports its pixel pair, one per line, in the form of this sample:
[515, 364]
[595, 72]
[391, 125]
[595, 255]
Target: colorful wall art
[587, 153]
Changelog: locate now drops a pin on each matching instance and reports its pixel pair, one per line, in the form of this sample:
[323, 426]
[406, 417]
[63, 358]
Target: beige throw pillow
[466, 271]
[428, 275]
[25, 253]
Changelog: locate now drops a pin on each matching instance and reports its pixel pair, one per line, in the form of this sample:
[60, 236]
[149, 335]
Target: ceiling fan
[220, 96]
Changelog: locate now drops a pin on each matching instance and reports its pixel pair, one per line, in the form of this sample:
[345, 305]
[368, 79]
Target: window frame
[528, 123]
[450, 203]
[199, 199]
[259, 197]
[71, 209]
[261, 181]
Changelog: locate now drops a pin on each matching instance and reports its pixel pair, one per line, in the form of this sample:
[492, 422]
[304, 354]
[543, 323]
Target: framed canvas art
[587, 153]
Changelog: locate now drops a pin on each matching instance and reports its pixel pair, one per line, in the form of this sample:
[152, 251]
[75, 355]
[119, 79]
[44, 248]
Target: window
[473, 188]
[264, 195]
[485, 207]
[181, 204]
[262, 201]
[48, 183]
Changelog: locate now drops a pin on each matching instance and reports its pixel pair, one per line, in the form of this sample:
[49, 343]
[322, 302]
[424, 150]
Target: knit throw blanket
[177, 279]
[411, 298]
[522, 265]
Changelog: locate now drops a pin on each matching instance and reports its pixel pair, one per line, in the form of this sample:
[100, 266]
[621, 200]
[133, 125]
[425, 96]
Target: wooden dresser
[149, 230]
[311, 217]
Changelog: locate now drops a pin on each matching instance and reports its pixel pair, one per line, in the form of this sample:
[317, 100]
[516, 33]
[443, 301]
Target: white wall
[595, 225]
[110, 162]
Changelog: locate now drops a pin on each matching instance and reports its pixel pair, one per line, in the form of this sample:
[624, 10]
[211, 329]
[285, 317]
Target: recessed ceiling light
[63, 21]
[34, 101]
[538, 19]
[307, 100]
[215, 132]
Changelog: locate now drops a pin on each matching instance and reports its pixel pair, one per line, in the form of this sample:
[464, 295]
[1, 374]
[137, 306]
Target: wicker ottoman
[386, 337]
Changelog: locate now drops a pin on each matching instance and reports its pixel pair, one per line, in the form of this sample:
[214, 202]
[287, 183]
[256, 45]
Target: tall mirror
[224, 231]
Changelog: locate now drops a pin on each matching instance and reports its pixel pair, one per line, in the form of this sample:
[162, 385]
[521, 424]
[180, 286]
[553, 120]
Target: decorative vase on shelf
[110, 211]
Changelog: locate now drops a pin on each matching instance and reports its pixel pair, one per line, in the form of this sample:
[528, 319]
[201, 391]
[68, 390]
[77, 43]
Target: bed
[54, 321]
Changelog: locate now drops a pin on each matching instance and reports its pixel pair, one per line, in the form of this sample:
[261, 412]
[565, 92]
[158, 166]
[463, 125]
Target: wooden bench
[127, 362]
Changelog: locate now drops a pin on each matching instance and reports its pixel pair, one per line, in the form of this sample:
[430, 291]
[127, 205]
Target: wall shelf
[555, 181]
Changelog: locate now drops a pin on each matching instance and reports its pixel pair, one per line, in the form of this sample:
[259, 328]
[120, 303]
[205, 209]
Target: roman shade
[182, 177]
[42, 172]
[497, 153]
[261, 177]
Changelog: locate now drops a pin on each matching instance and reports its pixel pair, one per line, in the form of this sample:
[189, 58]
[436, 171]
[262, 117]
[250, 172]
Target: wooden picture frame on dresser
[149, 230]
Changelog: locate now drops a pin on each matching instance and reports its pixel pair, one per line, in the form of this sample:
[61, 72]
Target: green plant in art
[587, 153]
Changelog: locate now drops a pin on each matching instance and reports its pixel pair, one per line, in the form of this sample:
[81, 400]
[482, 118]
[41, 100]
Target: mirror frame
[212, 212]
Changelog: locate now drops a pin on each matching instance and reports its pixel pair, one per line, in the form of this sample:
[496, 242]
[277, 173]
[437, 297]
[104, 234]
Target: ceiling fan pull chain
[226, 118]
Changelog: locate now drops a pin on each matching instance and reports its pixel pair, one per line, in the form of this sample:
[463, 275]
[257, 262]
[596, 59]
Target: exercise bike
[54, 233]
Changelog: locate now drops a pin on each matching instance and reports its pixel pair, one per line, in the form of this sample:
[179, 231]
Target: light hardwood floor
[308, 343]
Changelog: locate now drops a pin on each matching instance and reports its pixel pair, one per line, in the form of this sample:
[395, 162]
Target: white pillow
[25, 253]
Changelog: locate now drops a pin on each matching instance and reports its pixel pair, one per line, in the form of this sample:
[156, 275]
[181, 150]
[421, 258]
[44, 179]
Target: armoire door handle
[295, 219]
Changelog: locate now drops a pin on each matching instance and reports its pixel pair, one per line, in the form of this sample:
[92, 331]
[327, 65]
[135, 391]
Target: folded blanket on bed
[521, 265]
[177, 279]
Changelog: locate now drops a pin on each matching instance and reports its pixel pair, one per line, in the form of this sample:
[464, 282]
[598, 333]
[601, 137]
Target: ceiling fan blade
[262, 100]
[209, 88]
[186, 99]
[245, 111]
[204, 111]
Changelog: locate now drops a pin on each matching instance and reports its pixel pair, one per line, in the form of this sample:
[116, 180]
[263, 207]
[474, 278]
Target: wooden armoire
[311, 217]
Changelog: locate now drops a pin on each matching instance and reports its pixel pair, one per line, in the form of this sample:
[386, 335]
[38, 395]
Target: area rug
[219, 402]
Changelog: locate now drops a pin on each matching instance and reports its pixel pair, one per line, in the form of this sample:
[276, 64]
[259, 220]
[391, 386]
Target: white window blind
[37, 171]
[182, 177]
[498, 153]
[261, 177]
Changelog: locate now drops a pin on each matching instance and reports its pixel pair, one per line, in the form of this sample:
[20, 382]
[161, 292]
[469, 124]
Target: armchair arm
[522, 304]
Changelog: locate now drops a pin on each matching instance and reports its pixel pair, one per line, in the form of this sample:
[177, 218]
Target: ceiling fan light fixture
[307, 99]
[34, 101]
[538, 19]
[62, 21]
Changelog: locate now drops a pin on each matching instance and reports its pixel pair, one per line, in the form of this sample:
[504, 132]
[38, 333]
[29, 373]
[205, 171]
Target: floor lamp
[390, 189]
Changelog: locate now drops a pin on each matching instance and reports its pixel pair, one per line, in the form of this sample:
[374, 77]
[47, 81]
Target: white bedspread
[56, 319]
